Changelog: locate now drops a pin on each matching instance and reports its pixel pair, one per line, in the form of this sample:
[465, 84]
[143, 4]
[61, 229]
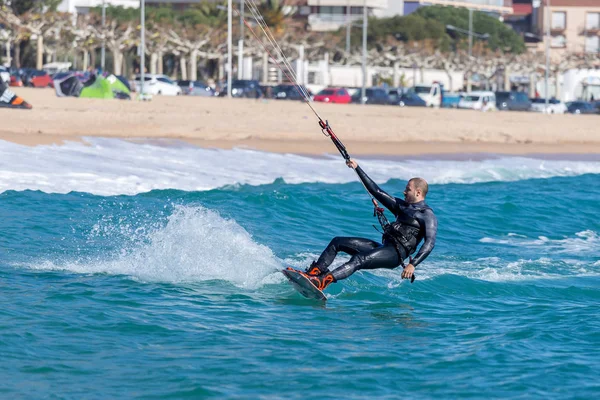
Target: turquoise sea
[151, 271]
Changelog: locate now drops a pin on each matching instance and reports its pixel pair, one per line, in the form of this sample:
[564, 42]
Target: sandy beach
[291, 127]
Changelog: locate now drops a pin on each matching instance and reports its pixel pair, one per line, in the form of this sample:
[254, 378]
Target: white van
[432, 94]
[482, 101]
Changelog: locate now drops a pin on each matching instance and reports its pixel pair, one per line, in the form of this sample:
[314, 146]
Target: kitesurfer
[414, 222]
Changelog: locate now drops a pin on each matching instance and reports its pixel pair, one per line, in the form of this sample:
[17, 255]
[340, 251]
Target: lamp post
[348, 26]
[103, 52]
[363, 90]
[241, 43]
[229, 46]
[143, 45]
[549, 21]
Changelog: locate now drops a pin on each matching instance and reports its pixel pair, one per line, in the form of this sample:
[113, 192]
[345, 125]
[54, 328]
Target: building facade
[331, 15]
[83, 6]
[574, 25]
[498, 7]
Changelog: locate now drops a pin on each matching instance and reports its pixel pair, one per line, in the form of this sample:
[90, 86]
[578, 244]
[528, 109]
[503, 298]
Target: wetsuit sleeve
[430, 225]
[385, 199]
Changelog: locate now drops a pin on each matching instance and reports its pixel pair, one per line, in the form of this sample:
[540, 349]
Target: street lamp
[143, 45]
[103, 52]
[364, 55]
[548, 20]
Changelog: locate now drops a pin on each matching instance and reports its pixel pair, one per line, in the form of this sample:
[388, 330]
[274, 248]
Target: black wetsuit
[414, 222]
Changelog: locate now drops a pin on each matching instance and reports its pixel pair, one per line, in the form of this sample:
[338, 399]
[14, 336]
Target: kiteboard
[303, 285]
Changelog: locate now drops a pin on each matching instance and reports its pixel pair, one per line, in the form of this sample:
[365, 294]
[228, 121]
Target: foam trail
[196, 244]
[113, 166]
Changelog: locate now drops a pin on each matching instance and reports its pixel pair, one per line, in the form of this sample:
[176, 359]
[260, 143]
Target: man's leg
[380, 257]
[349, 245]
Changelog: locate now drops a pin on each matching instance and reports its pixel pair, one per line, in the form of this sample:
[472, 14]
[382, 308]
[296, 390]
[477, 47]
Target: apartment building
[574, 25]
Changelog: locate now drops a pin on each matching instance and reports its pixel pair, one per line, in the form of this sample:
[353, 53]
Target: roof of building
[575, 3]
[522, 9]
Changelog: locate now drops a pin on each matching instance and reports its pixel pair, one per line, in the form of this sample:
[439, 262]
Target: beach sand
[291, 127]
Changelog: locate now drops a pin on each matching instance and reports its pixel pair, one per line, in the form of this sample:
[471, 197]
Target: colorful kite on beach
[8, 99]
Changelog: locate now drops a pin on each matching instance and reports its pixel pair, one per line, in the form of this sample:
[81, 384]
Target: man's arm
[430, 234]
[385, 199]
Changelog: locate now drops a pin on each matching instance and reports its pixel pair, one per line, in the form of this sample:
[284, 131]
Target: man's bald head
[420, 184]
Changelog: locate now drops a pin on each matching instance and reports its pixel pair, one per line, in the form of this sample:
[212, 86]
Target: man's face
[410, 193]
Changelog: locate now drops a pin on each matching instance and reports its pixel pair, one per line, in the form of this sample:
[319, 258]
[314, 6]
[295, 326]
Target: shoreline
[290, 127]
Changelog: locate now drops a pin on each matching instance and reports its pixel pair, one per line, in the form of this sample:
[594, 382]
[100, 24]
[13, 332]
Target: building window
[592, 22]
[592, 44]
[325, 10]
[559, 20]
[558, 41]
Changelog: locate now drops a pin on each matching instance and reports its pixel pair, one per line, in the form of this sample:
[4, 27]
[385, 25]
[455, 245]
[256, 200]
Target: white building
[83, 6]
[330, 15]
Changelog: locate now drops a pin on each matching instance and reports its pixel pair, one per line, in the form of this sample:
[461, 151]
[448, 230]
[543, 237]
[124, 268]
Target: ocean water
[151, 270]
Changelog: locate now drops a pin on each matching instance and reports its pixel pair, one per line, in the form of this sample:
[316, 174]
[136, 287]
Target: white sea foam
[585, 242]
[112, 166]
[196, 244]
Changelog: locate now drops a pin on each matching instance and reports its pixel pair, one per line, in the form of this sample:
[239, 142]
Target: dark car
[195, 88]
[411, 99]
[290, 92]
[248, 88]
[580, 107]
[513, 101]
[372, 96]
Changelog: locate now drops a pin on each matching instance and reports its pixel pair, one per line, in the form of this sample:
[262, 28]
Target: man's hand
[351, 164]
[408, 272]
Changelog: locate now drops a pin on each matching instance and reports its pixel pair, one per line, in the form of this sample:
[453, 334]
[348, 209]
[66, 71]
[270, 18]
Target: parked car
[554, 106]
[290, 92]
[195, 88]
[432, 94]
[451, 100]
[4, 74]
[334, 95]
[580, 107]
[39, 78]
[411, 99]
[479, 100]
[157, 85]
[248, 88]
[512, 101]
[372, 96]
[15, 80]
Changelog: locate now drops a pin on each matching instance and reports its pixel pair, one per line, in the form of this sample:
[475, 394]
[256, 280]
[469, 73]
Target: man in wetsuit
[414, 222]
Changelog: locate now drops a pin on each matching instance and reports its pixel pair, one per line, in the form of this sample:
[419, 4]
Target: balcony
[330, 22]
[349, 3]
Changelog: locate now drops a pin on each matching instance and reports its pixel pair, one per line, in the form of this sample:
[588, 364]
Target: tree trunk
[40, 52]
[160, 62]
[396, 76]
[194, 65]
[183, 66]
[8, 58]
[17, 59]
[117, 62]
[153, 62]
[557, 85]
[93, 58]
[506, 79]
[85, 59]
